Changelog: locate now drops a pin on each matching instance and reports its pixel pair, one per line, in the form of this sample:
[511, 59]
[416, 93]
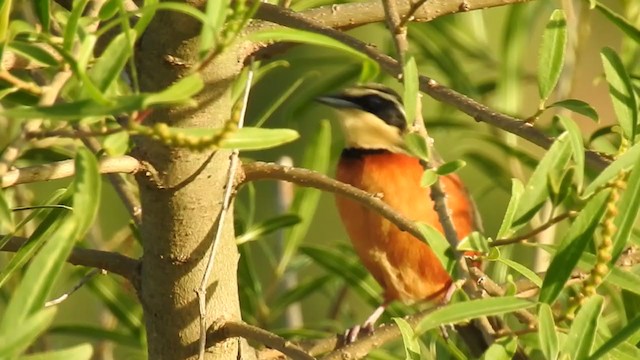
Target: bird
[376, 160]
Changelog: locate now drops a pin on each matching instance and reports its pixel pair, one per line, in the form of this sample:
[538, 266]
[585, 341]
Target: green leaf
[216, 11]
[583, 330]
[621, 91]
[300, 292]
[622, 23]
[180, 92]
[18, 338]
[78, 352]
[428, 178]
[628, 208]
[417, 146]
[72, 24]
[551, 59]
[577, 106]
[267, 227]
[450, 167]
[439, 245]
[42, 11]
[411, 91]
[86, 190]
[464, 311]
[306, 37]
[114, 299]
[572, 247]
[317, 156]
[109, 9]
[536, 191]
[33, 52]
[109, 65]
[577, 146]
[547, 335]
[624, 162]
[517, 189]
[475, 241]
[525, 271]
[251, 138]
[632, 328]
[502, 349]
[6, 219]
[409, 339]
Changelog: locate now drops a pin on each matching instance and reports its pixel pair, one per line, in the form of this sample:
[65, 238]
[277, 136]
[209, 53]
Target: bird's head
[371, 116]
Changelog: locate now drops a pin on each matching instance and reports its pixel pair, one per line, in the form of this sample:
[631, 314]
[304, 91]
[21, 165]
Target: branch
[66, 168]
[230, 329]
[352, 16]
[262, 171]
[112, 262]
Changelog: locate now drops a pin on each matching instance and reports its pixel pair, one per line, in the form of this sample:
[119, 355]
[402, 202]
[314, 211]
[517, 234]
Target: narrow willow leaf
[86, 190]
[409, 340]
[109, 65]
[450, 167]
[547, 335]
[551, 58]
[71, 28]
[624, 162]
[536, 191]
[523, 270]
[216, 11]
[33, 52]
[621, 335]
[628, 208]
[619, 21]
[267, 227]
[577, 147]
[464, 311]
[250, 138]
[577, 106]
[78, 352]
[94, 332]
[180, 92]
[416, 144]
[572, 247]
[42, 9]
[517, 189]
[6, 219]
[502, 349]
[305, 37]
[428, 178]
[439, 245]
[113, 299]
[411, 94]
[583, 330]
[300, 292]
[622, 93]
[476, 242]
[317, 156]
[18, 339]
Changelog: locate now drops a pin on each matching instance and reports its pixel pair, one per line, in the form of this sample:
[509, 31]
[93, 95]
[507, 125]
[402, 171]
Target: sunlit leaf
[624, 162]
[409, 340]
[267, 227]
[250, 138]
[551, 59]
[77, 352]
[24, 334]
[572, 247]
[583, 330]
[628, 208]
[577, 146]
[517, 189]
[547, 332]
[502, 349]
[417, 145]
[622, 93]
[577, 106]
[411, 93]
[109, 65]
[463, 311]
[450, 167]
[439, 245]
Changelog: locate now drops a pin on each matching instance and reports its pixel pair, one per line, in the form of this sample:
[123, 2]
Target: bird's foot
[352, 334]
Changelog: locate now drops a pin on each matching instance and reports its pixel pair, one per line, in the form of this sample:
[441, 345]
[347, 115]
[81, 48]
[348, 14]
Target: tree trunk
[180, 215]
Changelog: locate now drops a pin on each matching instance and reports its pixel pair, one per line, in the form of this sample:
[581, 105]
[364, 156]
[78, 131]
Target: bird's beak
[335, 101]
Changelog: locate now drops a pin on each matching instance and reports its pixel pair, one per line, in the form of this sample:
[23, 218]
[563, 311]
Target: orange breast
[405, 267]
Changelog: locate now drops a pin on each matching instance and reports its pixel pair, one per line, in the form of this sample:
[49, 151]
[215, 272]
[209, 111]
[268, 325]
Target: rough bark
[179, 218]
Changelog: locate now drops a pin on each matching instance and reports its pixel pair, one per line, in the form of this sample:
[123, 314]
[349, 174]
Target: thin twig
[66, 168]
[230, 329]
[397, 29]
[411, 12]
[74, 134]
[309, 178]
[112, 262]
[534, 232]
[228, 191]
[80, 284]
[19, 83]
